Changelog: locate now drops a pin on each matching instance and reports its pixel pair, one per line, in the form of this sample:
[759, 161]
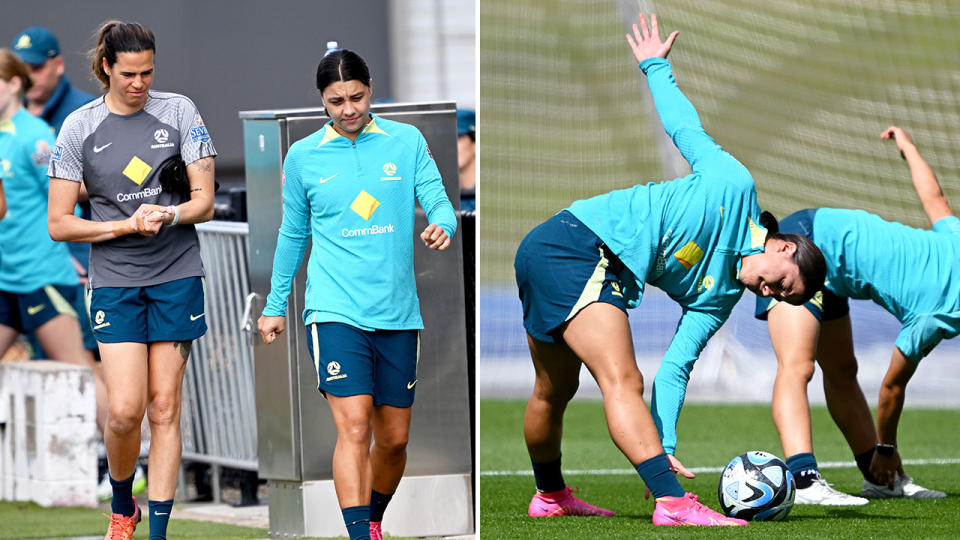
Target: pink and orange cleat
[688, 510]
[122, 527]
[375, 533]
[563, 503]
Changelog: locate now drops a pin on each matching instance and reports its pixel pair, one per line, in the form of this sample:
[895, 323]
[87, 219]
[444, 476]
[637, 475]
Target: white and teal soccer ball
[757, 486]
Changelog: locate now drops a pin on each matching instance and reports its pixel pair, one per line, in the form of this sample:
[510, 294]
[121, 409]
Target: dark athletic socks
[378, 504]
[159, 516]
[659, 478]
[357, 520]
[122, 502]
[804, 469]
[548, 476]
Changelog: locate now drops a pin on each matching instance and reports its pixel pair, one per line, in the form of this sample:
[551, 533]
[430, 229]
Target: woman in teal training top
[352, 188]
[699, 238]
[909, 272]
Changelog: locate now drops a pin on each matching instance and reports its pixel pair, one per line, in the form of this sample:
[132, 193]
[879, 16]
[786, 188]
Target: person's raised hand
[646, 42]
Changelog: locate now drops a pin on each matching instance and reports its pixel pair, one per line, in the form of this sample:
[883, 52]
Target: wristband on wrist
[176, 214]
[885, 450]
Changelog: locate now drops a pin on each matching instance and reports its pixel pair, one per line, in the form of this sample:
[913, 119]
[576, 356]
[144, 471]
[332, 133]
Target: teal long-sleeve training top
[910, 272]
[356, 200]
[685, 236]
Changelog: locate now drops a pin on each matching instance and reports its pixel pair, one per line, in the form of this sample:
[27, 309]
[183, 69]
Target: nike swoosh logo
[322, 180]
[98, 149]
[410, 385]
[33, 310]
[161, 513]
[195, 317]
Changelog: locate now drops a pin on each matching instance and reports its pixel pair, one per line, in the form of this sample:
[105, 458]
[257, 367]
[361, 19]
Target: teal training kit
[356, 199]
[685, 236]
[913, 273]
[29, 259]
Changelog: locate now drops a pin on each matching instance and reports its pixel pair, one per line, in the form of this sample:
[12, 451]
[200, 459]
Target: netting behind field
[797, 91]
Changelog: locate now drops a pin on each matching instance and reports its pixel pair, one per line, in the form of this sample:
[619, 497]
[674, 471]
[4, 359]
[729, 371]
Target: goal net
[798, 91]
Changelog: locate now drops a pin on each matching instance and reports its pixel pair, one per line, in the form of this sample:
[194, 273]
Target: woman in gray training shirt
[146, 293]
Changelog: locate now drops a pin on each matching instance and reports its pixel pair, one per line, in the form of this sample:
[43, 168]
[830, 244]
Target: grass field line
[705, 470]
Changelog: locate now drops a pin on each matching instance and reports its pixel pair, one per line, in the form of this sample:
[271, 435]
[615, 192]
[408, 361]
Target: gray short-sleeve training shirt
[118, 157]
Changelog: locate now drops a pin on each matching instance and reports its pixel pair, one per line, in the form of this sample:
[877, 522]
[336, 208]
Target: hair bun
[769, 222]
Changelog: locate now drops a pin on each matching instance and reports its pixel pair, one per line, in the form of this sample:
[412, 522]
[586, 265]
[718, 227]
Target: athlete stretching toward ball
[699, 239]
[909, 272]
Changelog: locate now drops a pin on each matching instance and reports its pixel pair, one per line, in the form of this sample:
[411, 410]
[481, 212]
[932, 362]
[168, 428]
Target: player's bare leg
[557, 372]
[351, 456]
[388, 455]
[845, 399]
[125, 371]
[167, 363]
[600, 336]
[794, 333]
[8, 336]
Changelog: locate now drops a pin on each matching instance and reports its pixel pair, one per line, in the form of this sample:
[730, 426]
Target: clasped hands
[148, 219]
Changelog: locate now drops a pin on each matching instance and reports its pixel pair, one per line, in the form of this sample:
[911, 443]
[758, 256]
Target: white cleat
[821, 493]
[903, 487]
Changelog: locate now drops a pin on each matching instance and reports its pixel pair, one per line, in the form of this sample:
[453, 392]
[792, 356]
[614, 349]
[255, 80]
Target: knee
[123, 419]
[556, 393]
[630, 381]
[796, 370]
[164, 410]
[841, 372]
[355, 429]
[393, 443]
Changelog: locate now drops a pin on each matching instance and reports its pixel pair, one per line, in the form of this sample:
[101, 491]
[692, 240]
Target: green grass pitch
[710, 435]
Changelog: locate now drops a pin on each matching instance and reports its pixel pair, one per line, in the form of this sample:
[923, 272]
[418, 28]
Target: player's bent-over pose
[910, 273]
[146, 290]
[699, 239]
[352, 187]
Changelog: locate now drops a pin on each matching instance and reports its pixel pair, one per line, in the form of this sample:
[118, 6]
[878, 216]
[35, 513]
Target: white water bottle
[331, 47]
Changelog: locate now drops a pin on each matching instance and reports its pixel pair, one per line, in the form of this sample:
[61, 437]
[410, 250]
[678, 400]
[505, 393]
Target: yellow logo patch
[137, 170]
[364, 205]
[689, 255]
[23, 43]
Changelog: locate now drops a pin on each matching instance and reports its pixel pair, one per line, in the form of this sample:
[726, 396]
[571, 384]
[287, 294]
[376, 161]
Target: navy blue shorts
[824, 305]
[28, 311]
[352, 362]
[562, 267]
[171, 311]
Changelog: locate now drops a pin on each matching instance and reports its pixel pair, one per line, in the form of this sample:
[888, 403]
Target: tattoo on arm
[184, 347]
[205, 164]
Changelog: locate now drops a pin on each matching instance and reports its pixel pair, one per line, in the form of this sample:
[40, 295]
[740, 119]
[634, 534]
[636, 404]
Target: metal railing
[219, 419]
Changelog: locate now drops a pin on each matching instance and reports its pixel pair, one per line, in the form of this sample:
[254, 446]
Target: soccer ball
[758, 486]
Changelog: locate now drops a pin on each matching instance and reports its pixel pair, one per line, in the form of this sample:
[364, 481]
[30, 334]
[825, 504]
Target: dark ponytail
[769, 222]
[117, 37]
[809, 258]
